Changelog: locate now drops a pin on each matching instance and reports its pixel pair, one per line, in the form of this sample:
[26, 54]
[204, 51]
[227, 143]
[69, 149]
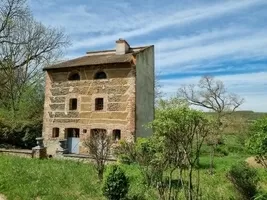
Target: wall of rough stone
[144, 91]
[118, 91]
[16, 152]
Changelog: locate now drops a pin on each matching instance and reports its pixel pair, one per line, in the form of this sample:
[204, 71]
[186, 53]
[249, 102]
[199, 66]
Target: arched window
[75, 76]
[100, 75]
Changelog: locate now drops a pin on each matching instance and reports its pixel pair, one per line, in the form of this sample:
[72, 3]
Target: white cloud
[249, 46]
[160, 21]
[252, 87]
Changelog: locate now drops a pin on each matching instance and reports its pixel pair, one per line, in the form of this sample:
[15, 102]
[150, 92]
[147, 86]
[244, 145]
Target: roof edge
[114, 50]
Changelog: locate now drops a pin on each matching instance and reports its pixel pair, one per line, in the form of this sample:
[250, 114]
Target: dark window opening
[84, 131]
[95, 132]
[74, 77]
[73, 132]
[99, 104]
[73, 104]
[100, 75]
[116, 135]
[55, 132]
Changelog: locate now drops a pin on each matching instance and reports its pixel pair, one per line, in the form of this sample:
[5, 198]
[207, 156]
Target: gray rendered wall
[144, 91]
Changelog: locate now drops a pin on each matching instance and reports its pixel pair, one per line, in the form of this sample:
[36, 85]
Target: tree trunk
[100, 174]
[212, 152]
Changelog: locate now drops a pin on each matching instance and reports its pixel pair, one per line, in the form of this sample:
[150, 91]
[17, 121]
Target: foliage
[21, 130]
[125, 151]
[179, 133]
[20, 134]
[257, 143]
[245, 179]
[211, 94]
[116, 184]
[23, 178]
[182, 132]
[26, 46]
[145, 152]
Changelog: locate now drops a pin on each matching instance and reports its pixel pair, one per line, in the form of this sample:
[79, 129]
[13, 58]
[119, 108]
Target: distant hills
[246, 114]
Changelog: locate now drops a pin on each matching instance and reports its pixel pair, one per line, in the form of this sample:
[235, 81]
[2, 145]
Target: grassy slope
[52, 179]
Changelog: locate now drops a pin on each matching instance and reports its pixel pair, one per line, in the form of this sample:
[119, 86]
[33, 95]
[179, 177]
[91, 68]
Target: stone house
[110, 90]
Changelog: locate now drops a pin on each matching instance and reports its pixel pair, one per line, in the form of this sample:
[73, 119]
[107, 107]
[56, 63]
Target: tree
[10, 11]
[116, 185]
[26, 46]
[175, 146]
[99, 144]
[211, 94]
[257, 142]
[184, 131]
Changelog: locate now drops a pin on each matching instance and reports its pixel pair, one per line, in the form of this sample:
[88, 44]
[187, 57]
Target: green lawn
[22, 178]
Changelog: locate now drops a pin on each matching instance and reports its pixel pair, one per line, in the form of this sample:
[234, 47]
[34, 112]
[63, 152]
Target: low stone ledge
[17, 152]
[85, 157]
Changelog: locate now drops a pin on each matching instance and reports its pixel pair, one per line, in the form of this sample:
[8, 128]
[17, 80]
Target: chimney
[122, 47]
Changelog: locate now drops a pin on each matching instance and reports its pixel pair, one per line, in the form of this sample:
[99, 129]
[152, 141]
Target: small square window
[55, 132]
[73, 104]
[99, 104]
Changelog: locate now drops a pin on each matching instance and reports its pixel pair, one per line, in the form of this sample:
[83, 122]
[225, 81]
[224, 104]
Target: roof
[98, 58]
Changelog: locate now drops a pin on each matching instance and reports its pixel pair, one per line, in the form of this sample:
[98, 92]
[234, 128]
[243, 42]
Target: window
[116, 135]
[73, 104]
[74, 76]
[99, 104]
[95, 132]
[73, 132]
[84, 130]
[55, 132]
[100, 75]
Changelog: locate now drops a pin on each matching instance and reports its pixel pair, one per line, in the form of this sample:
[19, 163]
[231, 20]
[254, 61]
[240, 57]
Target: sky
[193, 38]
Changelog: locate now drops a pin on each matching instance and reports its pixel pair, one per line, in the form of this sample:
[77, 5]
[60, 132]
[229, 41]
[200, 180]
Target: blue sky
[192, 38]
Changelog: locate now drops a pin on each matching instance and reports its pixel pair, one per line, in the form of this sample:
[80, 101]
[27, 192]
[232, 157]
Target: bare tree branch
[99, 144]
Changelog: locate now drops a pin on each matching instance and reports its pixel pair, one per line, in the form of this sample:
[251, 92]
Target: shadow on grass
[203, 166]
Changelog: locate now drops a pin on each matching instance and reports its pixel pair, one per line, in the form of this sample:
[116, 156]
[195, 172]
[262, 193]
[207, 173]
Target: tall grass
[26, 179]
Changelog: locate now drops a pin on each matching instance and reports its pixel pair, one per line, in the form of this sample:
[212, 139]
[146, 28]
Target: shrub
[125, 152]
[116, 184]
[20, 134]
[244, 179]
[257, 143]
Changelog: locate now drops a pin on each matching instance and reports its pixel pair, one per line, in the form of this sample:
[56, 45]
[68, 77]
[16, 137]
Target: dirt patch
[253, 163]
[2, 197]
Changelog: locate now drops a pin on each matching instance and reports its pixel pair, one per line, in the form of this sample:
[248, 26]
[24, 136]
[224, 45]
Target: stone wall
[118, 91]
[16, 152]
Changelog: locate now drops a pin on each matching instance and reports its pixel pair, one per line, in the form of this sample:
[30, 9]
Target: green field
[22, 178]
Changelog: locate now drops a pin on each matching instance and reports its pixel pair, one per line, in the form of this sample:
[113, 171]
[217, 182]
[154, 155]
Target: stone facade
[118, 91]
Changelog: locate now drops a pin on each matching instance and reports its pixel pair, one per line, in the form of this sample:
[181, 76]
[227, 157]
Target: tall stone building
[110, 90]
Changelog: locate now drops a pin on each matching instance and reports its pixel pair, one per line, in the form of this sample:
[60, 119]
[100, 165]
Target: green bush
[257, 143]
[221, 151]
[19, 134]
[244, 179]
[116, 184]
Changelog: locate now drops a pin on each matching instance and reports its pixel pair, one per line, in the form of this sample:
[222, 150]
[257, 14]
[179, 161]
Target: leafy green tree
[257, 142]
[183, 131]
[116, 184]
[179, 133]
